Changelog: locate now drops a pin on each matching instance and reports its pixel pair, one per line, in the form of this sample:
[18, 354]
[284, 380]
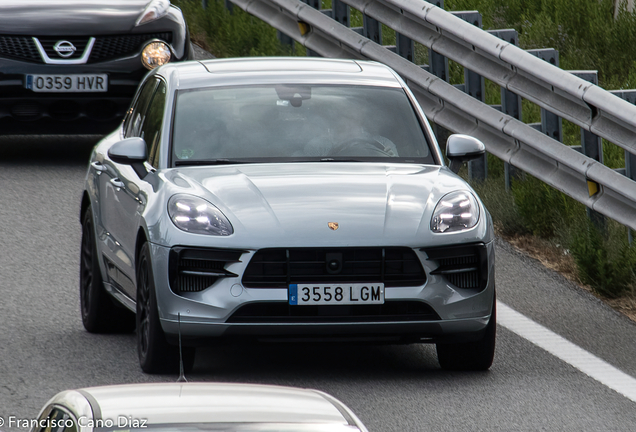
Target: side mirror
[462, 148]
[130, 151]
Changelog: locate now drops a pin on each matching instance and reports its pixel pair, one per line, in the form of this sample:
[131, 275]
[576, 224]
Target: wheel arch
[86, 202]
[142, 238]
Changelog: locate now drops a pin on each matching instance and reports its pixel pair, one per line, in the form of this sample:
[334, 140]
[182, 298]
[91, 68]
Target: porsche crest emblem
[333, 225]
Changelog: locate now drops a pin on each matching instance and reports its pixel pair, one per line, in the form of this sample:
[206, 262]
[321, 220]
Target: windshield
[296, 123]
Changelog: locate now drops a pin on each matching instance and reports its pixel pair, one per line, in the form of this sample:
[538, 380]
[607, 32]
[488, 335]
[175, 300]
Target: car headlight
[155, 54]
[195, 215]
[456, 211]
[155, 10]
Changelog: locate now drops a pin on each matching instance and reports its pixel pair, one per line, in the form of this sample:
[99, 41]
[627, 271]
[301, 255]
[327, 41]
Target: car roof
[268, 70]
[212, 403]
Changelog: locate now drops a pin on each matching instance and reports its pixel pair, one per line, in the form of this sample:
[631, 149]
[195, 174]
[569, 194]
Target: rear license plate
[332, 294]
[77, 83]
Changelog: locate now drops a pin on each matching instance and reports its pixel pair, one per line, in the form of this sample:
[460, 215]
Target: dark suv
[72, 67]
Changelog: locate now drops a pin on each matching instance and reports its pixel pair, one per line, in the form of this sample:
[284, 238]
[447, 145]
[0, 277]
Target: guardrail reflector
[592, 187]
[304, 28]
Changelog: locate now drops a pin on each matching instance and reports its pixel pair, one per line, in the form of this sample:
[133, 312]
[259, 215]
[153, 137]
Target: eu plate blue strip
[293, 294]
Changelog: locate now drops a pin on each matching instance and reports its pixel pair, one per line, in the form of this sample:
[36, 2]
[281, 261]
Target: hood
[69, 17]
[295, 203]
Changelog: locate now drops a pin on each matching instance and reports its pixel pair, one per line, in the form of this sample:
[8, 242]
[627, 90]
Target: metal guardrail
[581, 102]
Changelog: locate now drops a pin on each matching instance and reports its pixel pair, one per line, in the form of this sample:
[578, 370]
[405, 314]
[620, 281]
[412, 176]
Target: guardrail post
[437, 63]
[371, 29]
[510, 102]
[285, 40]
[229, 6]
[475, 85]
[340, 12]
[204, 4]
[592, 146]
[313, 3]
[630, 158]
[551, 123]
[316, 5]
[405, 47]
[630, 171]
[438, 66]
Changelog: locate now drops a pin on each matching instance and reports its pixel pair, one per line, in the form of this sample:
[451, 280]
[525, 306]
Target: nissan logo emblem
[64, 48]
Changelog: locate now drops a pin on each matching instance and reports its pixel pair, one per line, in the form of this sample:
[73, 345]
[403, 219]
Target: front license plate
[78, 83]
[344, 294]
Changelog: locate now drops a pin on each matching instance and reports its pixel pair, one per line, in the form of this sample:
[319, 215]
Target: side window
[58, 421]
[134, 122]
[151, 128]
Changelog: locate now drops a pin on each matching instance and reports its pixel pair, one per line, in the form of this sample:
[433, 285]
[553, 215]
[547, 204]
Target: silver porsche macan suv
[284, 198]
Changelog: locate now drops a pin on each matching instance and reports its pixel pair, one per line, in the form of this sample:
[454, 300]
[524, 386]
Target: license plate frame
[67, 83]
[308, 294]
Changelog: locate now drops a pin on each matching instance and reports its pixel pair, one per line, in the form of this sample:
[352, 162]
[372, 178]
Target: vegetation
[606, 265]
[231, 34]
[587, 36]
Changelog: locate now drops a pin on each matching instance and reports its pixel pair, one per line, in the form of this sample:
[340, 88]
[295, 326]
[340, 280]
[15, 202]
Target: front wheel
[156, 355]
[99, 312]
[471, 356]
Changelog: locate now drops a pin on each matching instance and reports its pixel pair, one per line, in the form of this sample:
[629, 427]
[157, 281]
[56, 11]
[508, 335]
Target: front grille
[79, 42]
[280, 312]
[193, 269]
[19, 48]
[462, 266]
[105, 47]
[109, 47]
[277, 268]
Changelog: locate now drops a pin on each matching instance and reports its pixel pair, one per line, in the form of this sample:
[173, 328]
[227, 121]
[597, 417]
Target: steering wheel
[363, 147]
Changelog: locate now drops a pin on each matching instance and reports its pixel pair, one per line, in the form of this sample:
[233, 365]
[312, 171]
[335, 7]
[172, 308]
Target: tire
[156, 355]
[99, 312]
[471, 356]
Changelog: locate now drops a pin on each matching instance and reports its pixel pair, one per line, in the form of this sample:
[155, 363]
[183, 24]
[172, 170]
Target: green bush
[585, 32]
[543, 210]
[605, 260]
[225, 34]
[500, 203]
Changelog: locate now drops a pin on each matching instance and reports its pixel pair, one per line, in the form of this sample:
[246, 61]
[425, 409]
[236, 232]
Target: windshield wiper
[222, 161]
[328, 159]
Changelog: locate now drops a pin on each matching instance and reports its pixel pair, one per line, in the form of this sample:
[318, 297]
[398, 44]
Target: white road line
[565, 350]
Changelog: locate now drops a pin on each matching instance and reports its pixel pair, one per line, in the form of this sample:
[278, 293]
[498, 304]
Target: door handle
[117, 183]
[98, 167]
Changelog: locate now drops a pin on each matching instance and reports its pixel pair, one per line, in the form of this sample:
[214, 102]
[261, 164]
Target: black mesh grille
[105, 47]
[108, 47]
[279, 312]
[277, 268]
[193, 270]
[19, 48]
[462, 266]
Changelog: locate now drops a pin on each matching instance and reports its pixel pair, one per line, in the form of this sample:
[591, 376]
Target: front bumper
[449, 313]
[23, 111]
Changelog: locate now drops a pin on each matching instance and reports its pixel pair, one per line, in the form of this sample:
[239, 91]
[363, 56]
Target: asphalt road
[44, 348]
